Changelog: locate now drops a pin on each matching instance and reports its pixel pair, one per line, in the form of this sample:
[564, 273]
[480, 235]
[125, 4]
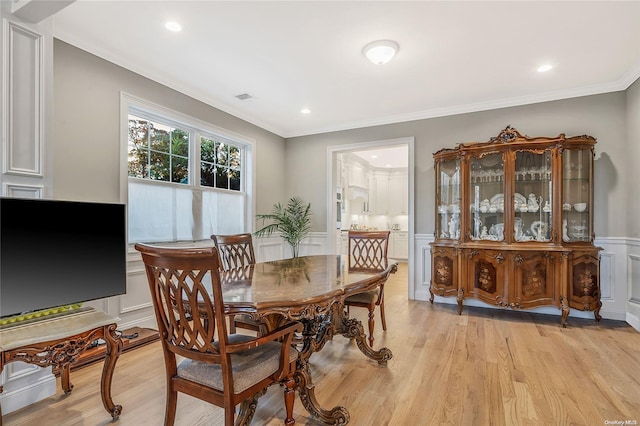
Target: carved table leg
[114, 348]
[248, 409]
[431, 297]
[306, 390]
[65, 381]
[317, 331]
[353, 329]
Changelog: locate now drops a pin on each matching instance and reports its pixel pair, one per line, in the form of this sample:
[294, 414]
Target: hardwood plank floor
[484, 367]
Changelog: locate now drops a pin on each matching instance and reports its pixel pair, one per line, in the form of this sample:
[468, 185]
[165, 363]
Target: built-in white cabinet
[398, 194]
[357, 175]
[391, 193]
[381, 194]
[398, 245]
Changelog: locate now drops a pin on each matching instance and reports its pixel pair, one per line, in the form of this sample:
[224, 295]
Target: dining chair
[368, 251]
[236, 251]
[220, 368]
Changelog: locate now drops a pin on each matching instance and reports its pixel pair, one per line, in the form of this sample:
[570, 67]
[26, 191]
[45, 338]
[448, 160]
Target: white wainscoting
[632, 274]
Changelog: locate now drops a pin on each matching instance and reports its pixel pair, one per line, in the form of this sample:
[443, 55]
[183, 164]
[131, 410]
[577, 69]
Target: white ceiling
[454, 56]
[386, 157]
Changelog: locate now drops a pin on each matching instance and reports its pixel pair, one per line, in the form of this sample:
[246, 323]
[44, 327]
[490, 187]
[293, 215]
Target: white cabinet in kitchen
[381, 205]
[398, 199]
[399, 245]
[391, 193]
[357, 176]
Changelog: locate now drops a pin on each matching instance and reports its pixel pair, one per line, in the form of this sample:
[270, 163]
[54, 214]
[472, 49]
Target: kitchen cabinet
[514, 223]
[398, 194]
[391, 193]
[399, 245]
[357, 175]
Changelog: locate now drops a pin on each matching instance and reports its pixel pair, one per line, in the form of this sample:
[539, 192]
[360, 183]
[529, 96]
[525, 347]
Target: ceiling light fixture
[305, 111]
[544, 68]
[381, 51]
[173, 26]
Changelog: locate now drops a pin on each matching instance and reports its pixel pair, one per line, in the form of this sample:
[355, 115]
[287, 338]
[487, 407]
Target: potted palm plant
[291, 221]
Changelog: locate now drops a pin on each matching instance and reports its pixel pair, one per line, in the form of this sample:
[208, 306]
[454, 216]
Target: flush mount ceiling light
[173, 26]
[544, 68]
[381, 51]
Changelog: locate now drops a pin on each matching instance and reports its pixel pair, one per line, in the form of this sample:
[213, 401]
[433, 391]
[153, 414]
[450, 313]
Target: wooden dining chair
[220, 368]
[368, 251]
[236, 251]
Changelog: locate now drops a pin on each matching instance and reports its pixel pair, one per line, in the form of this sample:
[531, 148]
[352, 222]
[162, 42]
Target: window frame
[197, 129]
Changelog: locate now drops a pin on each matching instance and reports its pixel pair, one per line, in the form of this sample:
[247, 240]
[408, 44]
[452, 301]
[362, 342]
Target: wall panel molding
[23, 108]
[22, 191]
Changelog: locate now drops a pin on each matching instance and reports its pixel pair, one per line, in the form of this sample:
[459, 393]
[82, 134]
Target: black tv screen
[57, 253]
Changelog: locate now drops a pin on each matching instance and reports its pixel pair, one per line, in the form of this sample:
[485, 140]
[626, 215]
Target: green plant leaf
[291, 222]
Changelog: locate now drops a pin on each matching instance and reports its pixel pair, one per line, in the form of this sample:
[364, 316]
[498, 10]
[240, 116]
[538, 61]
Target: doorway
[351, 195]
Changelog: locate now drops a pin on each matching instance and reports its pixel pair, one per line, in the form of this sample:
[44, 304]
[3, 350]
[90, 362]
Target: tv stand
[59, 341]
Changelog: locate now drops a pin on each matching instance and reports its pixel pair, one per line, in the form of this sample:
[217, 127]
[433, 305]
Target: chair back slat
[368, 250]
[235, 250]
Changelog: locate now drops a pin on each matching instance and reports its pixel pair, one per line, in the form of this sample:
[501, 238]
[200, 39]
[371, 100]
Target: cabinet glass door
[576, 195]
[448, 196]
[532, 197]
[487, 197]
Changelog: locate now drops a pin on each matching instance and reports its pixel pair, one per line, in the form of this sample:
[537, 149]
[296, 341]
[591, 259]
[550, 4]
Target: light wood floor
[485, 367]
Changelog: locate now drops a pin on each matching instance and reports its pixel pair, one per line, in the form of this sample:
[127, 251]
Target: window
[157, 151]
[220, 164]
[186, 179]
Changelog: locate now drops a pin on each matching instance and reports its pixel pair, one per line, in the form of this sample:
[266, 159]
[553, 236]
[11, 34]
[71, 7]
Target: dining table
[311, 290]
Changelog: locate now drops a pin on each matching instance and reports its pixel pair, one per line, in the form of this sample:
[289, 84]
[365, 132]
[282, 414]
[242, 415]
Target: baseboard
[42, 388]
[633, 321]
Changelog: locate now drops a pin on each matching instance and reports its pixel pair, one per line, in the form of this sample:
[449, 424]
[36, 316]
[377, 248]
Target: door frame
[332, 152]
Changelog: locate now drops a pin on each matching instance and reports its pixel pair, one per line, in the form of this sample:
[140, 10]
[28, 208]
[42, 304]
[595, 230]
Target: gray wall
[87, 128]
[632, 201]
[601, 116]
[87, 146]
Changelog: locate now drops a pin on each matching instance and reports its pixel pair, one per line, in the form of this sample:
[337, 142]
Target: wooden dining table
[309, 289]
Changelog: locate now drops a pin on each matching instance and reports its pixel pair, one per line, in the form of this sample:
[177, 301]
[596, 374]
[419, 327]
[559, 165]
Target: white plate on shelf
[521, 199]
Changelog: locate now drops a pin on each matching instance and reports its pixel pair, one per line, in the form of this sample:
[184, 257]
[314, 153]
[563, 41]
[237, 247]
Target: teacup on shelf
[580, 207]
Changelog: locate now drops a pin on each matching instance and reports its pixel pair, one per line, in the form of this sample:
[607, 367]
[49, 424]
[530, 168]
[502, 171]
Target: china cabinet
[514, 223]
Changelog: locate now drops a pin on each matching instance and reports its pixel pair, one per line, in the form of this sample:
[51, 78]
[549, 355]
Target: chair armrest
[284, 333]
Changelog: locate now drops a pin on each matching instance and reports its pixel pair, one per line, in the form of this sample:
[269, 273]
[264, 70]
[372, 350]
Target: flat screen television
[59, 253]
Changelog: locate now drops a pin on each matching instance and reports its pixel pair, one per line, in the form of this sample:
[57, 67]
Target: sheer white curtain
[166, 212]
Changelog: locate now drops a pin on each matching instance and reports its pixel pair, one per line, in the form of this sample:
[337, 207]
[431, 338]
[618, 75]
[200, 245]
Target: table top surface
[49, 329]
[296, 282]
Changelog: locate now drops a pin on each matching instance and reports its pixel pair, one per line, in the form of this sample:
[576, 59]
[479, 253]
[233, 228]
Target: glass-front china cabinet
[514, 223]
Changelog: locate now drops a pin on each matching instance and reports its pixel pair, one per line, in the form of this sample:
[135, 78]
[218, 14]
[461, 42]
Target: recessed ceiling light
[374, 156]
[173, 26]
[388, 165]
[305, 111]
[544, 68]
